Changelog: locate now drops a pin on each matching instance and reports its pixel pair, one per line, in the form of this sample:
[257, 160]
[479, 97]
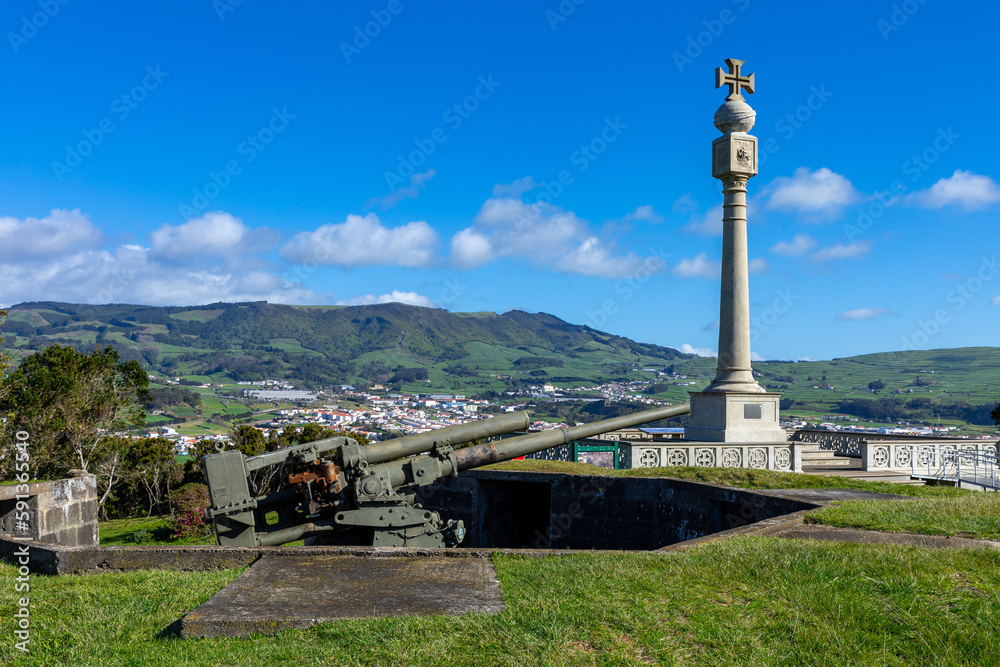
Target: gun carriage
[348, 493]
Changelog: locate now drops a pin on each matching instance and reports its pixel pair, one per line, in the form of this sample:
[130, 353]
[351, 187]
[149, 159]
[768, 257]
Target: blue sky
[544, 156]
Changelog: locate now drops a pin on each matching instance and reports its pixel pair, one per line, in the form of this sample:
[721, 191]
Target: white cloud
[800, 245]
[756, 357]
[996, 300]
[853, 250]
[411, 191]
[758, 266]
[685, 204]
[213, 234]
[592, 258]
[709, 224]
[863, 313]
[711, 326]
[132, 274]
[364, 241]
[40, 238]
[411, 298]
[211, 258]
[470, 248]
[698, 267]
[646, 213]
[820, 193]
[700, 351]
[543, 233]
[963, 189]
[515, 189]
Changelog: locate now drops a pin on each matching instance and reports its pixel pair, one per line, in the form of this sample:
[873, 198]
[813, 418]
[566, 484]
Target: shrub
[139, 537]
[190, 502]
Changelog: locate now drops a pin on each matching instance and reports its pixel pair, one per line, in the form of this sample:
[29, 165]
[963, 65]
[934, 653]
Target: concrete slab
[831, 495]
[858, 536]
[283, 592]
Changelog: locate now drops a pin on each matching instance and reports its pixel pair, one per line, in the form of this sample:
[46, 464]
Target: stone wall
[61, 512]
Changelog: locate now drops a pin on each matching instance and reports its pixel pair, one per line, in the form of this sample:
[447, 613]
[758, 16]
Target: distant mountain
[336, 344]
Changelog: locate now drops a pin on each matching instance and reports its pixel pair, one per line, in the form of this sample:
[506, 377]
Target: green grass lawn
[119, 532]
[975, 515]
[744, 478]
[747, 601]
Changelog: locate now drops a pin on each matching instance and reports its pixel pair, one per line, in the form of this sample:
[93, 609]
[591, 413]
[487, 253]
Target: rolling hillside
[427, 349]
[329, 345]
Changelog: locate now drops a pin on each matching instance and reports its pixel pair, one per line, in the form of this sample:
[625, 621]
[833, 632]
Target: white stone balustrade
[785, 457]
[895, 454]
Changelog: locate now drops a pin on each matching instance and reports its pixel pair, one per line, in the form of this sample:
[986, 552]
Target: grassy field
[743, 602]
[743, 478]
[976, 515]
[155, 530]
[121, 532]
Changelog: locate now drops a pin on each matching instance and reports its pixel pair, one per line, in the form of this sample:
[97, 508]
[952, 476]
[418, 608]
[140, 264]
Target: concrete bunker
[531, 510]
[501, 509]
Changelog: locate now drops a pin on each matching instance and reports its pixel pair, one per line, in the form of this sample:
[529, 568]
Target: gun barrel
[511, 448]
[398, 448]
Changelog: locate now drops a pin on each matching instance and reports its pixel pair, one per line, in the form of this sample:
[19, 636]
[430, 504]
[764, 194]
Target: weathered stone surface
[55, 520]
[63, 511]
[857, 536]
[279, 593]
[735, 417]
[831, 495]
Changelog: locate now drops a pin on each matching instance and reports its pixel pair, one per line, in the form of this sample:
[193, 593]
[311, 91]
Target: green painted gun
[356, 494]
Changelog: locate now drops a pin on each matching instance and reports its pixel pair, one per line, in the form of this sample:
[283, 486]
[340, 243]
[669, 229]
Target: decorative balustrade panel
[897, 454]
[965, 465]
[722, 455]
[843, 444]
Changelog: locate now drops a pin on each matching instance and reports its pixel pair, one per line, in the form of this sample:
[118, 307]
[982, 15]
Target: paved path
[858, 536]
[282, 592]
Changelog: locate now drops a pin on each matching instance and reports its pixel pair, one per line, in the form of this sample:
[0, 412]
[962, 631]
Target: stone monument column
[734, 160]
[734, 407]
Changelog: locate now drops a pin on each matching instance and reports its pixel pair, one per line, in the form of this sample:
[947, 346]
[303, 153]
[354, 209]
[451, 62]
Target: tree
[4, 359]
[249, 440]
[996, 415]
[73, 404]
[151, 463]
[876, 385]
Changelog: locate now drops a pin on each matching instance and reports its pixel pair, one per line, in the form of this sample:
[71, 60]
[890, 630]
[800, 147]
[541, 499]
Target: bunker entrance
[513, 514]
[529, 510]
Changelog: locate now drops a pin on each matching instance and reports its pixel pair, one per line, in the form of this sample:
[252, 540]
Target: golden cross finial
[733, 79]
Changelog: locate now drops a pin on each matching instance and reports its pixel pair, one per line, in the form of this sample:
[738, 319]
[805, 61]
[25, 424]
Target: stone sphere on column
[735, 116]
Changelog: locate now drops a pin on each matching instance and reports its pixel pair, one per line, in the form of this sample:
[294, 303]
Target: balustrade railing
[981, 468]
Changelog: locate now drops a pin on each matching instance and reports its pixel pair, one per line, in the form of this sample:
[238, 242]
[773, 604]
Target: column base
[735, 387]
[735, 379]
[734, 416]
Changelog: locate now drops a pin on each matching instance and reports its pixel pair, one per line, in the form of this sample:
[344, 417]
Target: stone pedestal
[734, 417]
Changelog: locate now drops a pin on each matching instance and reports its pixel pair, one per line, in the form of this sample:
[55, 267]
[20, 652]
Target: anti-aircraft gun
[356, 494]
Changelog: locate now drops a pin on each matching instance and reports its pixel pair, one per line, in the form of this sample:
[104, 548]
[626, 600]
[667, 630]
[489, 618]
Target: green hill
[429, 349]
[329, 345]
